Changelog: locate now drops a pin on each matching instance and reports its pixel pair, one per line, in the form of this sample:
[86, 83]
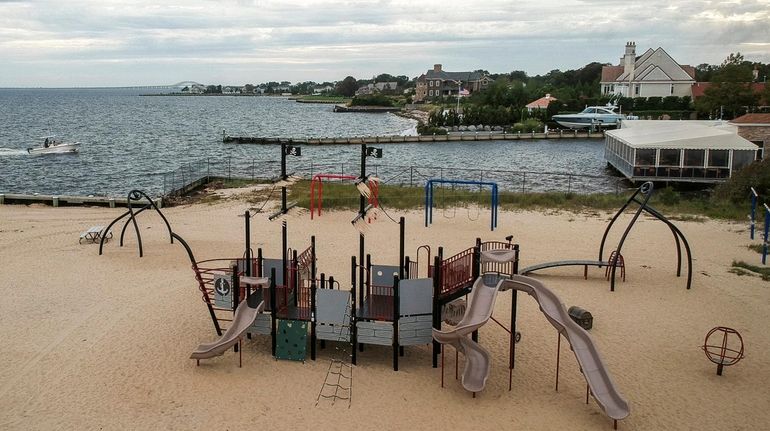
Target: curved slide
[479, 310]
[598, 378]
[244, 316]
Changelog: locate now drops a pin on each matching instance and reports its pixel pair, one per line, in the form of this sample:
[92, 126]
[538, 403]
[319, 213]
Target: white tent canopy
[680, 135]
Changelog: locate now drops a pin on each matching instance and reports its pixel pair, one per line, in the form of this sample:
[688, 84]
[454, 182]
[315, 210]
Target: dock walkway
[400, 139]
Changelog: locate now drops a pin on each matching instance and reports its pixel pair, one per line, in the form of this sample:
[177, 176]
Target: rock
[471, 128]
[487, 129]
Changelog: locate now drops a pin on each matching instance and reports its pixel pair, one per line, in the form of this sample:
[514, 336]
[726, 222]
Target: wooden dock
[61, 200]
[400, 139]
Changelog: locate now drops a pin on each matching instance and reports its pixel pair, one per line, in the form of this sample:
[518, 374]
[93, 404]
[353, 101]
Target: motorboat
[592, 116]
[52, 145]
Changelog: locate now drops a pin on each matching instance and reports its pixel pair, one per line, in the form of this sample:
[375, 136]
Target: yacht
[592, 116]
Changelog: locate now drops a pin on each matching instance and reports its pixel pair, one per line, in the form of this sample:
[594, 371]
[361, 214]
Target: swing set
[317, 190]
[429, 194]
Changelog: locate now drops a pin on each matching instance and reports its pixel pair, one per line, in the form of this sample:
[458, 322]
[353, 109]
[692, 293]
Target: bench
[94, 234]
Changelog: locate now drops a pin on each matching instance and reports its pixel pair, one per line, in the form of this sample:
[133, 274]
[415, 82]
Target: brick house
[437, 83]
[754, 128]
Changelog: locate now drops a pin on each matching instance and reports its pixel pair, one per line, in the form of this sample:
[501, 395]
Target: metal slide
[244, 316]
[602, 388]
[479, 310]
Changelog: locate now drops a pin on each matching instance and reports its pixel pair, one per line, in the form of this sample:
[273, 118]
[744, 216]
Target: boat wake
[12, 152]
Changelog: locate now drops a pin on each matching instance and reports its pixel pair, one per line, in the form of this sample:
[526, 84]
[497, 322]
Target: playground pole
[353, 330]
[764, 235]
[247, 216]
[753, 210]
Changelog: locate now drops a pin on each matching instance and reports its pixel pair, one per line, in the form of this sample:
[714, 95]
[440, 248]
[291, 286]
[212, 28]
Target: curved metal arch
[647, 189]
[136, 195]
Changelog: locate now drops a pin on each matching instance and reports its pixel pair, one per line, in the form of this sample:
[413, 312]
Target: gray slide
[244, 316]
[482, 302]
[602, 388]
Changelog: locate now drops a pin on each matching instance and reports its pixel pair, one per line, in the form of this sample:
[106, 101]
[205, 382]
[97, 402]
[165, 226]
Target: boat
[592, 116]
[52, 145]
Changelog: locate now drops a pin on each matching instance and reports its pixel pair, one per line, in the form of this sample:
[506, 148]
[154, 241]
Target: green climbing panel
[291, 340]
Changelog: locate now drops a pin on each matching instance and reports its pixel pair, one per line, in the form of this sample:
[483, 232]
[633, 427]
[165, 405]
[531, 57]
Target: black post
[272, 311]
[353, 331]
[283, 161]
[323, 283]
[247, 217]
[235, 289]
[401, 245]
[476, 274]
[312, 316]
[396, 314]
[512, 353]
[259, 262]
[436, 304]
[284, 254]
[295, 277]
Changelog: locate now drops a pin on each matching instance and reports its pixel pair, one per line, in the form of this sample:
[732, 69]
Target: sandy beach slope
[102, 342]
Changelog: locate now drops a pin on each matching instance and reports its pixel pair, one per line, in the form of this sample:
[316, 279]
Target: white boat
[51, 145]
[592, 116]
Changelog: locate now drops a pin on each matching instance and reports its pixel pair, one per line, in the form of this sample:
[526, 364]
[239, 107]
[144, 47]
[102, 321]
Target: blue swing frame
[429, 198]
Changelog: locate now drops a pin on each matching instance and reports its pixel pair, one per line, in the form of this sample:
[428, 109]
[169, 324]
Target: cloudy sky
[46, 43]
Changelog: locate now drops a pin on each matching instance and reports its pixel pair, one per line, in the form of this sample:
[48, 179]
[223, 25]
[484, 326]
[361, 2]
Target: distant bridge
[177, 86]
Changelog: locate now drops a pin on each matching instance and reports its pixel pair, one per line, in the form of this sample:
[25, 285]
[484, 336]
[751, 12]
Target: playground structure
[429, 198]
[615, 259]
[135, 197]
[722, 352]
[387, 304]
[317, 190]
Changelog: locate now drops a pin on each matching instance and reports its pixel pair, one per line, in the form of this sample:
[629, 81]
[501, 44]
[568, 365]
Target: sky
[76, 43]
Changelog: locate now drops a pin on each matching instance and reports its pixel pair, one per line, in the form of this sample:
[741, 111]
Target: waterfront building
[755, 128]
[677, 151]
[437, 83]
[377, 87]
[541, 103]
[653, 74]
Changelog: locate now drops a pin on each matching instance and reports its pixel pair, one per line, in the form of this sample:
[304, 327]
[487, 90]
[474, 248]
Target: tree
[347, 87]
[248, 89]
[731, 89]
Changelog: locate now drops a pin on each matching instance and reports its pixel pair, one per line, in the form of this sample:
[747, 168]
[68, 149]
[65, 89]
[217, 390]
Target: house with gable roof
[653, 74]
[437, 83]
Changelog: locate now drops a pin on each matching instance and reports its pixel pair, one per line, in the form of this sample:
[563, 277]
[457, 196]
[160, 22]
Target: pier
[59, 200]
[400, 139]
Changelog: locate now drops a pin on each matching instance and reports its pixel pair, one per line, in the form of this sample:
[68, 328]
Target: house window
[430, 93]
[761, 150]
[645, 157]
[718, 158]
[438, 83]
[431, 83]
[672, 90]
[669, 157]
[694, 158]
[636, 89]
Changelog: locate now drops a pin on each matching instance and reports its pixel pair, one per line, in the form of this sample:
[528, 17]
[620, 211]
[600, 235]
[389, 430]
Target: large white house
[653, 74]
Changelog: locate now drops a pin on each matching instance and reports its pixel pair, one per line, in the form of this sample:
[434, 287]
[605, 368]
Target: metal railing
[186, 176]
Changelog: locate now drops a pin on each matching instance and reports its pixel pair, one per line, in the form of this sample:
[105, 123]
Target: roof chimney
[629, 60]
[547, 95]
[437, 68]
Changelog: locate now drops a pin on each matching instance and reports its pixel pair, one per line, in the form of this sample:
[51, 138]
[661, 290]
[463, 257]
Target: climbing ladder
[338, 384]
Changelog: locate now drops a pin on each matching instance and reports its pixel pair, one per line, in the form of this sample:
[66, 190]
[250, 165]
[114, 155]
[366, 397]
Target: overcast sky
[66, 43]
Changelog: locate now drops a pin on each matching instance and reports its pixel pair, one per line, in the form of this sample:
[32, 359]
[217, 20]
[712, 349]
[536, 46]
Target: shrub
[738, 187]
[371, 100]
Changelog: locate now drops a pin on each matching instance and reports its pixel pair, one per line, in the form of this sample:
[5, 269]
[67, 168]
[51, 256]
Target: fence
[191, 175]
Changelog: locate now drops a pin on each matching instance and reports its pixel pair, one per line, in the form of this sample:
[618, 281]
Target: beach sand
[102, 342]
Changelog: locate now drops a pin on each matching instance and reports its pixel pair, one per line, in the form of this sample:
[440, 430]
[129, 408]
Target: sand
[102, 342]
